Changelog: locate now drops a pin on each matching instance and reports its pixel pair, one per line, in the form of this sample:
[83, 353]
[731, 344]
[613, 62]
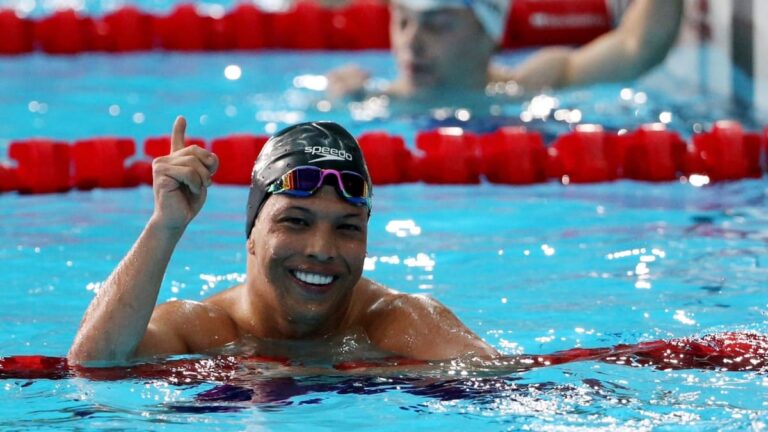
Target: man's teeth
[313, 278]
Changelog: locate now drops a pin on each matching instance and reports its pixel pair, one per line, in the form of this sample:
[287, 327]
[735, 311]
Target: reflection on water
[261, 93]
[582, 396]
[576, 286]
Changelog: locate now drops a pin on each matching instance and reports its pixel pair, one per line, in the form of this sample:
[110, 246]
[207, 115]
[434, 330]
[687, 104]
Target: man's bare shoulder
[385, 310]
[185, 313]
[396, 306]
[227, 299]
[231, 303]
[418, 326]
[185, 326]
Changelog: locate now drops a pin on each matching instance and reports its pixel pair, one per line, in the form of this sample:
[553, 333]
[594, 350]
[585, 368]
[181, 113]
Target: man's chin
[413, 83]
[312, 320]
[312, 304]
[424, 85]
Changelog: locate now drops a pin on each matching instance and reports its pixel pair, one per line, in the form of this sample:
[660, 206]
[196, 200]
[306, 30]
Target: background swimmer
[444, 46]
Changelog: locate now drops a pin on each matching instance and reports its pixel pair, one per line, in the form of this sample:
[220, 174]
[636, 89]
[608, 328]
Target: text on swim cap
[327, 153]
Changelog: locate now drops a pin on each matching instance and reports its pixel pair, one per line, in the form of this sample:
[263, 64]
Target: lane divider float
[728, 351]
[361, 24]
[510, 155]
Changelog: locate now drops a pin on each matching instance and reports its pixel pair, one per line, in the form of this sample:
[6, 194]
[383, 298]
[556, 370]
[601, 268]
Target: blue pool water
[628, 263]
[531, 269]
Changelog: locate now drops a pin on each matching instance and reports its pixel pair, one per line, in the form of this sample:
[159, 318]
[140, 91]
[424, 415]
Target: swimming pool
[530, 269]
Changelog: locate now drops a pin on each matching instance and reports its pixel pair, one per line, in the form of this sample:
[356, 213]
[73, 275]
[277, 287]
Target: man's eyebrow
[440, 14]
[295, 207]
[308, 211]
[353, 215]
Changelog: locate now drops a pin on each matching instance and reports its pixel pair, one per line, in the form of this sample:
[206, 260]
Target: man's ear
[250, 245]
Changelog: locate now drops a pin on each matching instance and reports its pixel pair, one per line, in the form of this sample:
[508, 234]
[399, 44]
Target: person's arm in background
[116, 320]
[346, 81]
[642, 40]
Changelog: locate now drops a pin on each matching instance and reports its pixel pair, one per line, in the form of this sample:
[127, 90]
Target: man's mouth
[420, 69]
[316, 279]
[414, 67]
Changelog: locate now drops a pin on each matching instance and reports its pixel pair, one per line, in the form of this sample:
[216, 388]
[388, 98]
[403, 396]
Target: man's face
[310, 252]
[443, 48]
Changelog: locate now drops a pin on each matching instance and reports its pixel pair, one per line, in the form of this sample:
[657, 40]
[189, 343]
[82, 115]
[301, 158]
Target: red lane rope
[219, 368]
[732, 351]
[510, 155]
[362, 24]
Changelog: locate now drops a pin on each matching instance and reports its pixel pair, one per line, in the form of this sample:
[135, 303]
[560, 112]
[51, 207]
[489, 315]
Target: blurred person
[445, 47]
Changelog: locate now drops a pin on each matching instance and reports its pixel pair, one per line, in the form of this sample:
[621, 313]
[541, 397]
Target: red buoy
[247, 27]
[651, 153]
[42, 165]
[450, 156]
[583, 156]
[17, 33]
[726, 153]
[513, 155]
[360, 25]
[388, 159]
[65, 32]
[184, 29]
[314, 22]
[100, 162]
[126, 29]
[8, 180]
[236, 153]
[139, 172]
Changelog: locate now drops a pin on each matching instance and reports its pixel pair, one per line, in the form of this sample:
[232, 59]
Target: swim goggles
[304, 181]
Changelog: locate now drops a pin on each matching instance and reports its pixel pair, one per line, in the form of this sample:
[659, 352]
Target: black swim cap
[325, 145]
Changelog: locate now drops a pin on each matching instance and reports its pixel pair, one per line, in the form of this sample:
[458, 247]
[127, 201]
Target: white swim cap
[492, 14]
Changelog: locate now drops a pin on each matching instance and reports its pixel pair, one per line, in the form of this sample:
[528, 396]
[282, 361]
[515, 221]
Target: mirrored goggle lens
[306, 180]
[354, 184]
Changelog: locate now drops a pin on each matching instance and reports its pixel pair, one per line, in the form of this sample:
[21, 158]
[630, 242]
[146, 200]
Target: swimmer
[443, 47]
[306, 240]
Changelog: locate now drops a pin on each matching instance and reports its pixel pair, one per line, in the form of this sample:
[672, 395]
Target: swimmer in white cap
[446, 46]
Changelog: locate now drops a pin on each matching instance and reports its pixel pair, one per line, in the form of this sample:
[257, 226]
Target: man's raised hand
[181, 180]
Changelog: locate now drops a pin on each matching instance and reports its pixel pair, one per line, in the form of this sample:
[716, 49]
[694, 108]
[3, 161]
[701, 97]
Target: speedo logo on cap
[327, 153]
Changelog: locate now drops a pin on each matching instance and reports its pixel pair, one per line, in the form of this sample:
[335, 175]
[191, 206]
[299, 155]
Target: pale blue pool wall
[735, 61]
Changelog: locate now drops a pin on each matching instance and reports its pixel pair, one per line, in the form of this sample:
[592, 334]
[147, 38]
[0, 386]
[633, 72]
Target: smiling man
[307, 233]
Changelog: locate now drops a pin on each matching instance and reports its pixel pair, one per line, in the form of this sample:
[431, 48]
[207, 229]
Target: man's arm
[346, 81]
[642, 40]
[419, 327]
[116, 320]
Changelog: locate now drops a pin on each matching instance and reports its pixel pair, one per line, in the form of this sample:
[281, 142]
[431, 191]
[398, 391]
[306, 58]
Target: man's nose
[414, 36]
[321, 245]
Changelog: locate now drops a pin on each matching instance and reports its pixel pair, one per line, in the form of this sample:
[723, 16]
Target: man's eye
[351, 227]
[294, 221]
[438, 26]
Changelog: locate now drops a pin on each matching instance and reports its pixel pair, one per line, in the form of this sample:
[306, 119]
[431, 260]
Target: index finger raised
[177, 137]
